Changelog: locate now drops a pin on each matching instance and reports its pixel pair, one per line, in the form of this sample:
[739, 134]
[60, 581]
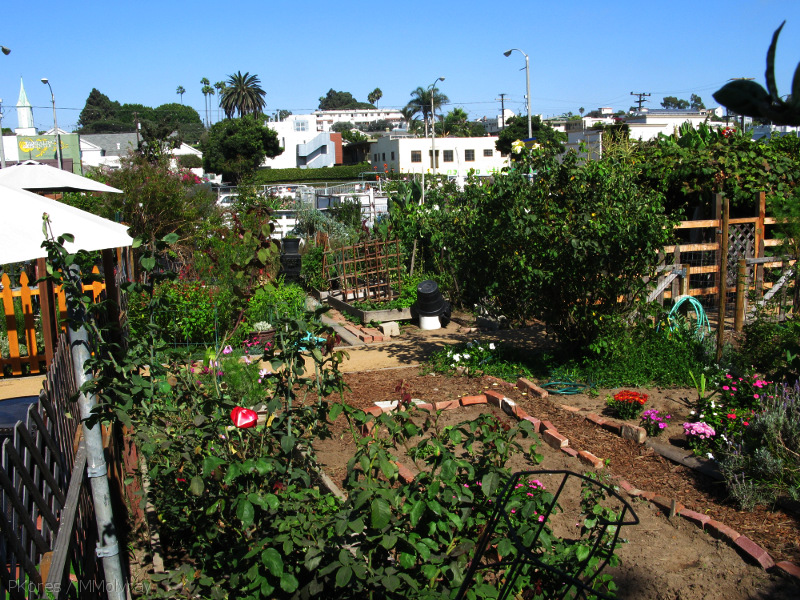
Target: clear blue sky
[582, 53]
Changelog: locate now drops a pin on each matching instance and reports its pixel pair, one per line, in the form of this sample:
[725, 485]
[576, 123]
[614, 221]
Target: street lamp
[5, 50]
[528, 82]
[432, 88]
[55, 122]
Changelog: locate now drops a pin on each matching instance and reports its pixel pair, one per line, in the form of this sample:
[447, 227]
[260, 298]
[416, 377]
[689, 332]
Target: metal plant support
[531, 555]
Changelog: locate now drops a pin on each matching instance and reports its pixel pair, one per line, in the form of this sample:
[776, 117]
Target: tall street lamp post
[5, 51]
[528, 83]
[55, 122]
[432, 88]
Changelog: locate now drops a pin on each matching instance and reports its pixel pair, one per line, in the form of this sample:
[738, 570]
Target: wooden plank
[29, 324]
[44, 468]
[11, 327]
[20, 510]
[30, 485]
[692, 248]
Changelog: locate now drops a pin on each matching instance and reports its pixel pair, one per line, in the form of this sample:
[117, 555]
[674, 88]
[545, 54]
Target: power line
[640, 98]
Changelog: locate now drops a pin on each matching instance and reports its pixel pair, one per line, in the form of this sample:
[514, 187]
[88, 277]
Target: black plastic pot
[430, 302]
[290, 246]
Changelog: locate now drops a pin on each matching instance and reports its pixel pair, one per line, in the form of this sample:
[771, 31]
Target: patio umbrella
[37, 177]
[21, 234]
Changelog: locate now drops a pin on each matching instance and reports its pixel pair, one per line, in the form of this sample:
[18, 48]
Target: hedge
[295, 175]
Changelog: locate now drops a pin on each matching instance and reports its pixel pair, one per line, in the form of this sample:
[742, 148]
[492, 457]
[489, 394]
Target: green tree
[280, 114]
[517, 129]
[99, 115]
[243, 95]
[456, 123]
[671, 102]
[696, 102]
[220, 87]
[422, 100]
[207, 91]
[412, 124]
[334, 100]
[157, 201]
[236, 147]
[374, 96]
[180, 91]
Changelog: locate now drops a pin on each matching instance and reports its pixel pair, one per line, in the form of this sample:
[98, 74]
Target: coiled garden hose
[565, 387]
[702, 318]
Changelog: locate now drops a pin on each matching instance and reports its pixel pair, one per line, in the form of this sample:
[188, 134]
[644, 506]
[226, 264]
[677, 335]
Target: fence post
[684, 281]
[723, 275]
[47, 304]
[741, 287]
[760, 233]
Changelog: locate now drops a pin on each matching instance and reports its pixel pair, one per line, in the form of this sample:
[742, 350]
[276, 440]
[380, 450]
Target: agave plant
[747, 98]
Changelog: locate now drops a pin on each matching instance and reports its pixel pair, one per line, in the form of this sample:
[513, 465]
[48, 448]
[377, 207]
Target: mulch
[774, 528]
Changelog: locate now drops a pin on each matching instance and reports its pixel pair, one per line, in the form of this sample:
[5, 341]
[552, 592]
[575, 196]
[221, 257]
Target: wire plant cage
[519, 554]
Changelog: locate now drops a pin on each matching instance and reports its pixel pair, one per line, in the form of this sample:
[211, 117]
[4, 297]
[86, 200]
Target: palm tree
[408, 113]
[180, 91]
[374, 96]
[244, 95]
[220, 87]
[207, 89]
[421, 102]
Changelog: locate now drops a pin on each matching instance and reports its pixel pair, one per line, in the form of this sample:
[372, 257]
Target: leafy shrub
[272, 303]
[190, 161]
[294, 175]
[311, 268]
[762, 462]
[772, 347]
[477, 358]
[189, 313]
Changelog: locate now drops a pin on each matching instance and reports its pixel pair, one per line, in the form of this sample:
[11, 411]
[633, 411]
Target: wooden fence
[729, 257]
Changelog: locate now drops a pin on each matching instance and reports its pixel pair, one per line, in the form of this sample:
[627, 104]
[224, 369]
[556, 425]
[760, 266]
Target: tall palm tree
[180, 91]
[421, 102]
[206, 89]
[408, 113]
[243, 95]
[220, 87]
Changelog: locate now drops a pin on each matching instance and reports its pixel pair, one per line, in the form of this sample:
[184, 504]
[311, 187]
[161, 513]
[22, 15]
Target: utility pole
[640, 98]
[503, 110]
[2, 148]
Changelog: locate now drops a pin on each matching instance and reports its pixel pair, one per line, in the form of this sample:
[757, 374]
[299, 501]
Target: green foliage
[236, 147]
[348, 213]
[157, 201]
[102, 115]
[565, 248]
[189, 313]
[242, 95]
[517, 129]
[190, 161]
[334, 100]
[477, 358]
[273, 303]
[311, 268]
[338, 173]
[772, 347]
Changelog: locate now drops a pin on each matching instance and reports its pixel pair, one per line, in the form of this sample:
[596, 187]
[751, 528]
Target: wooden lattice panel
[741, 241]
[364, 271]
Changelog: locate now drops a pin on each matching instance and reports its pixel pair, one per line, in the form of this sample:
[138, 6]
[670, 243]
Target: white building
[456, 156]
[359, 117]
[646, 126]
[494, 126]
[304, 145]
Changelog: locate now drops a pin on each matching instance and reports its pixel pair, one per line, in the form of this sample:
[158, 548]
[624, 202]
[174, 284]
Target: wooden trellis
[364, 271]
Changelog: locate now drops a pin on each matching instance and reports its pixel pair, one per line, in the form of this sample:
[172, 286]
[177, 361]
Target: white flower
[691, 412]
[712, 404]
[491, 345]
[435, 207]
[709, 455]
[456, 357]
[466, 356]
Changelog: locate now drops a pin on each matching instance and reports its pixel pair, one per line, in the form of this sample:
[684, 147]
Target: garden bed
[368, 316]
[655, 564]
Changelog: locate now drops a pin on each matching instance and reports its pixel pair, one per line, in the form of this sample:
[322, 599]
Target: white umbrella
[37, 177]
[21, 235]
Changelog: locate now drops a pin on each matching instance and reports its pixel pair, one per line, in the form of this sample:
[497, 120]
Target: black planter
[290, 246]
[430, 302]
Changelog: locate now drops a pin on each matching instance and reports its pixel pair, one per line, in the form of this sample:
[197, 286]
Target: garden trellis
[364, 271]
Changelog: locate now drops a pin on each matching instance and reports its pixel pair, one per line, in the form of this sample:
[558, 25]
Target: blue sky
[582, 53]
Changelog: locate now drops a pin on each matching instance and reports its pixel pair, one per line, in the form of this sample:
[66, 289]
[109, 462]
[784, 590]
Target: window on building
[416, 156]
[392, 155]
[447, 156]
[383, 156]
[301, 125]
[488, 152]
[469, 155]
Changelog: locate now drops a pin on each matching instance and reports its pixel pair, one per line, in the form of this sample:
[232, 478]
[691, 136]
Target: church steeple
[24, 113]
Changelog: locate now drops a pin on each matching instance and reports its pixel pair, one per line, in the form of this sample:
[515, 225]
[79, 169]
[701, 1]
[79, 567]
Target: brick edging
[549, 434]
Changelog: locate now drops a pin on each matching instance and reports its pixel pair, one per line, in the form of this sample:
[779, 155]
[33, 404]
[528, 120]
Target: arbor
[421, 99]
[671, 102]
[517, 129]
[180, 91]
[243, 95]
[374, 96]
[334, 100]
[236, 147]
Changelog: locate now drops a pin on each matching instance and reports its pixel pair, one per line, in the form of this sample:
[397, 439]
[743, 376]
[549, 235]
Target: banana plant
[748, 98]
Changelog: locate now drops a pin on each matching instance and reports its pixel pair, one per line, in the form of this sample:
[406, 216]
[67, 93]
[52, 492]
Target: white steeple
[24, 113]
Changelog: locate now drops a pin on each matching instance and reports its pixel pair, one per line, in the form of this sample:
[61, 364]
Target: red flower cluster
[630, 397]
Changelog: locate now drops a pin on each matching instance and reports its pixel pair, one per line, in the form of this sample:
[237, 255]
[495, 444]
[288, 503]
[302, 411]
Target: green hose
[565, 387]
[703, 325]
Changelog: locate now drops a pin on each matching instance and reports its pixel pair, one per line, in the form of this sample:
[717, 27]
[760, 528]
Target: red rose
[244, 417]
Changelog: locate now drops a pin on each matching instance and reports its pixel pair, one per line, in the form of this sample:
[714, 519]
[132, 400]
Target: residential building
[646, 125]
[107, 149]
[304, 145]
[495, 125]
[456, 156]
[361, 118]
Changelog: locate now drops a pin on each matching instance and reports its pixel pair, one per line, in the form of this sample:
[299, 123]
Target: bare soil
[664, 558]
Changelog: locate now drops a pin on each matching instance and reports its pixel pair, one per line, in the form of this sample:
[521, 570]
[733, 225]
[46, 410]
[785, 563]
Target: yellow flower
[517, 146]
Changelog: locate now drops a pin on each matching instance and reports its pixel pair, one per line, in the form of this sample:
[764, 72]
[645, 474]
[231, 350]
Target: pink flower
[227, 350]
[755, 395]
[731, 416]
[725, 387]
